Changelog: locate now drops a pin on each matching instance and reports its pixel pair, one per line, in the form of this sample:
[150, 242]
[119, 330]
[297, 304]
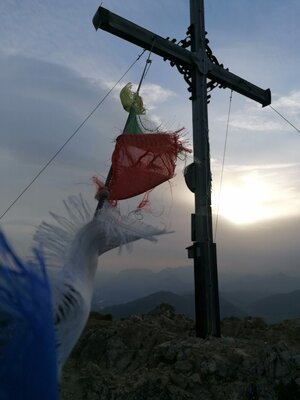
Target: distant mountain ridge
[272, 309]
[267, 284]
[132, 284]
[183, 304]
[277, 307]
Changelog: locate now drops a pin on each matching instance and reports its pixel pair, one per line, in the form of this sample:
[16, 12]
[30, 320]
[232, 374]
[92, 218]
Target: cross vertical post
[204, 250]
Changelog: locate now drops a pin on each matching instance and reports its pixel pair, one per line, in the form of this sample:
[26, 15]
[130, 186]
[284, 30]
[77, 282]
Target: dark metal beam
[127, 30]
[239, 85]
[121, 27]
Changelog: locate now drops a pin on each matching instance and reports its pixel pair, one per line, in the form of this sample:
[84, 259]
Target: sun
[250, 196]
[246, 201]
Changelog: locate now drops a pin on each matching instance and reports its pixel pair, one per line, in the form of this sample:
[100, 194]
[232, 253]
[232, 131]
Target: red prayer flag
[142, 162]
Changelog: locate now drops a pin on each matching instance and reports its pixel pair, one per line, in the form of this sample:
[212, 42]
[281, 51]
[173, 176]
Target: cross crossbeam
[121, 27]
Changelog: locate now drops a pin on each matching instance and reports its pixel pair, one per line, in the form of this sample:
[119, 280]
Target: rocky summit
[157, 357]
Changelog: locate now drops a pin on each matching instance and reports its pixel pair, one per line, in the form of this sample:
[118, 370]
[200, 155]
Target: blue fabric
[27, 336]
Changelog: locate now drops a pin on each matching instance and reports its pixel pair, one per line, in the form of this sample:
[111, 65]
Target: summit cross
[202, 72]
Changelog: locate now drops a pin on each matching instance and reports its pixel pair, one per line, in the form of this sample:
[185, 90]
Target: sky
[54, 69]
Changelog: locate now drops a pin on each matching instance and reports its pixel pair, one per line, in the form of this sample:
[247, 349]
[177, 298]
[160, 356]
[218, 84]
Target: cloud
[289, 104]
[251, 167]
[43, 104]
[254, 121]
[153, 94]
[254, 118]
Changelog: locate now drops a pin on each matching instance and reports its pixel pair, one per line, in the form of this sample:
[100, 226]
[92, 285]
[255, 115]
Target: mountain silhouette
[183, 304]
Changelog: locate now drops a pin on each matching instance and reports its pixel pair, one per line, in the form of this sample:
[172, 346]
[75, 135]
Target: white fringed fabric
[74, 244]
[114, 230]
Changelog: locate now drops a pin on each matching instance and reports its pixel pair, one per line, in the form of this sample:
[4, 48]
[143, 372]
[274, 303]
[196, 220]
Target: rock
[296, 360]
[158, 357]
[124, 362]
[195, 379]
[275, 365]
[179, 379]
[184, 366]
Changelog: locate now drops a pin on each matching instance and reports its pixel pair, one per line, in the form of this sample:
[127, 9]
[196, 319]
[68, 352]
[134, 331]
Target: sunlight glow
[252, 198]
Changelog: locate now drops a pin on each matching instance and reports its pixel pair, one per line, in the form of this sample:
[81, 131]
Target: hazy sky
[54, 68]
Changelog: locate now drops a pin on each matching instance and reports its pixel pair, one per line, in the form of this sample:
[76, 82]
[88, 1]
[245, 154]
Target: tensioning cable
[223, 165]
[285, 119]
[51, 159]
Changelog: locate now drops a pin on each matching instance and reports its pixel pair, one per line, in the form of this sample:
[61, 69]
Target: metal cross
[202, 72]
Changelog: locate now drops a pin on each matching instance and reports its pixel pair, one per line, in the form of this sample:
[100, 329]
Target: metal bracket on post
[194, 251]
